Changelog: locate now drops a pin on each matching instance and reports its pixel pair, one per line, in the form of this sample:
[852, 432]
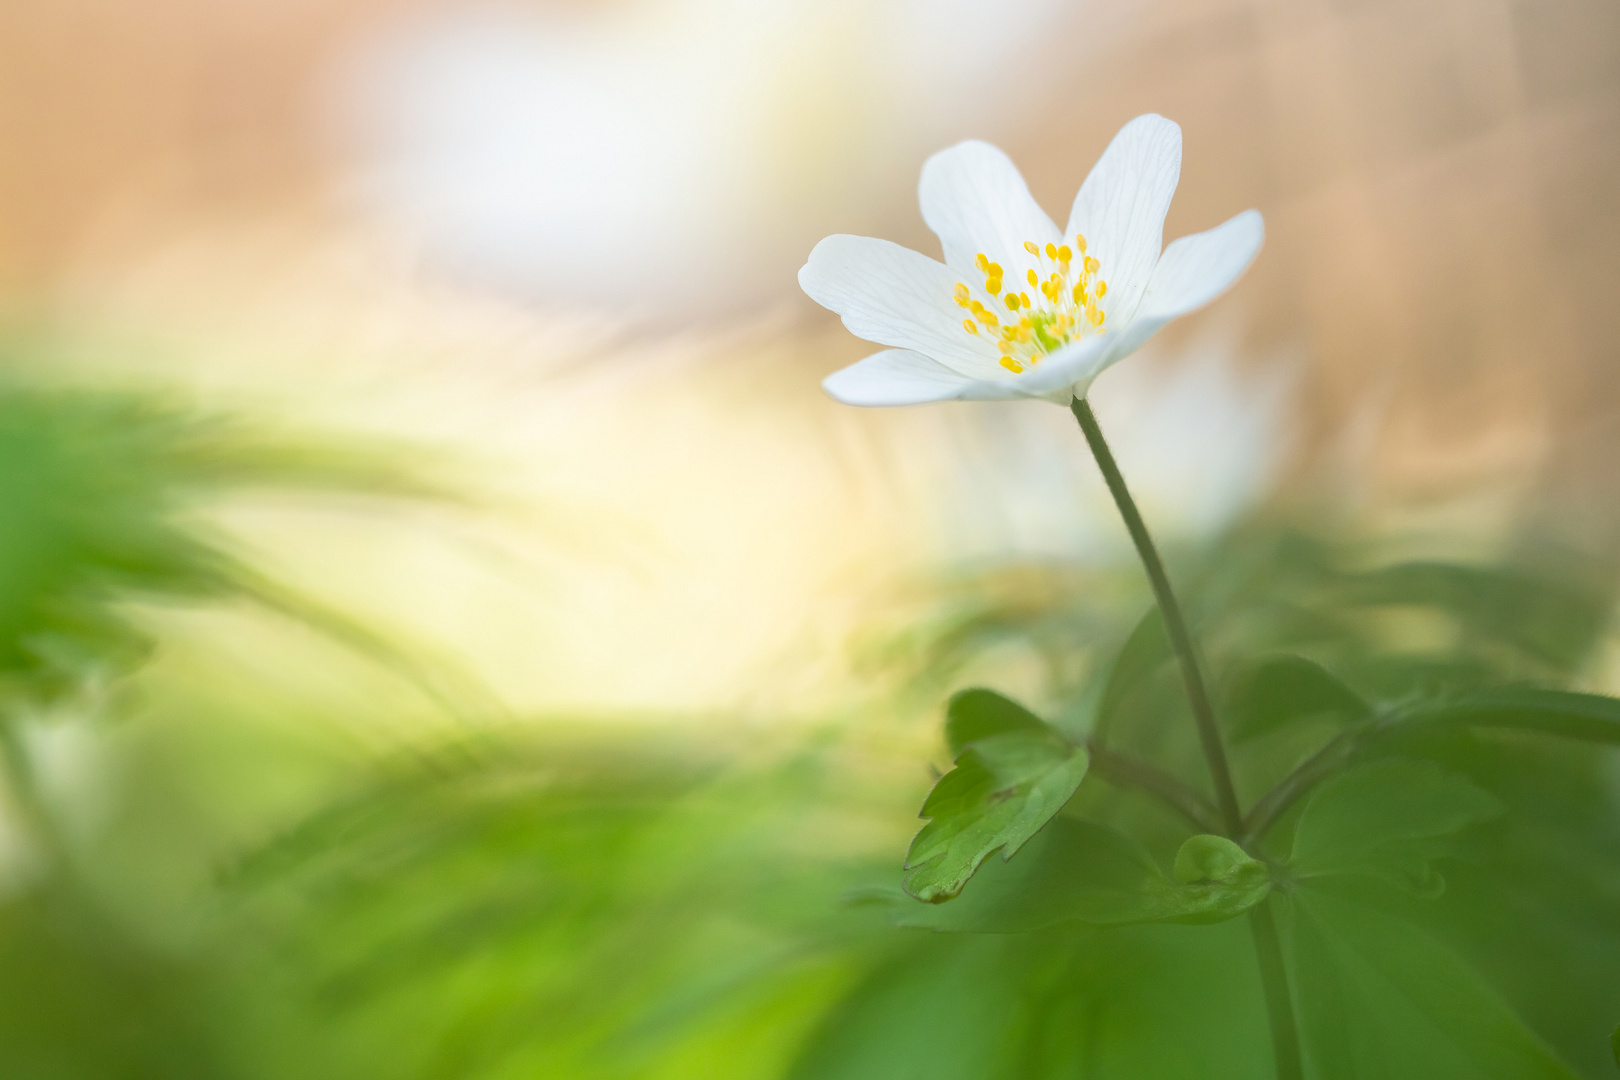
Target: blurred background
[414, 463]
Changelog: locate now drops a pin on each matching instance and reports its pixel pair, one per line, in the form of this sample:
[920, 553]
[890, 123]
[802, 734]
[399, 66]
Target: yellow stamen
[1051, 250]
[1079, 244]
[1012, 365]
[961, 293]
[993, 286]
[1034, 278]
[1024, 296]
[1029, 246]
[1102, 289]
[983, 263]
[970, 326]
[1064, 254]
[1012, 301]
[1091, 265]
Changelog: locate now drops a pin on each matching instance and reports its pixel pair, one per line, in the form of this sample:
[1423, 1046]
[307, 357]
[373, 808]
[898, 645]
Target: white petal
[899, 377]
[974, 199]
[1120, 208]
[1071, 367]
[1194, 270]
[894, 296]
[894, 377]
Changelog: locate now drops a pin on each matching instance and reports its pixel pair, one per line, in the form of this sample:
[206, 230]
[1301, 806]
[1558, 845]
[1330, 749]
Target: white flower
[1019, 309]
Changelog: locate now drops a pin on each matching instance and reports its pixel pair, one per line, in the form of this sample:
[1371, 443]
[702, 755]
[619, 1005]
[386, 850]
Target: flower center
[1067, 310]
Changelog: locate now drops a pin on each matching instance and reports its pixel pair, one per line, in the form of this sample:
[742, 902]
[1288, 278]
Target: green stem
[1267, 946]
[1175, 624]
[1274, 983]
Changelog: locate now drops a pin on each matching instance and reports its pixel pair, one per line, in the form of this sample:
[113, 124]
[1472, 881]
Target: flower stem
[1274, 983]
[1174, 624]
[1267, 946]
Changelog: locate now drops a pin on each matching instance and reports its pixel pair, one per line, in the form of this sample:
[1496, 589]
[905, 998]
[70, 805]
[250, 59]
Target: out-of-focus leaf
[97, 493]
[1082, 872]
[1145, 651]
[1388, 819]
[1381, 1000]
[1552, 621]
[1280, 691]
[1009, 780]
[909, 1020]
[1614, 1044]
[1150, 1002]
[1562, 713]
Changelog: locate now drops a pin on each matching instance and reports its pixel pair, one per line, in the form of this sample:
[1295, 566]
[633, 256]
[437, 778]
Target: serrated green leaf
[1382, 1000]
[1009, 781]
[1388, 819]
[1082, 872]
[1280, 691]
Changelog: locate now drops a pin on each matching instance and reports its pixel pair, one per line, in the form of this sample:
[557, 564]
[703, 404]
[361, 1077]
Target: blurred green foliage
[1433, 805]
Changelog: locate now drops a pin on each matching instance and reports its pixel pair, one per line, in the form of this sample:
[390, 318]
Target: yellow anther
[1051, 250]
[1080, 243]
[1064, 254]
[983, 263]
[1029, 246]
[1024, 296]
[975, 307]
[994, 270]
[992, 285]
[1004, 347]
[1091, 265]
[1094, 315]
[1012, 301]
[970, 326]
[1080, 294]
[988, 317]
[1102, 289]
[961, 293]
[1034, 278]
[1012, 365]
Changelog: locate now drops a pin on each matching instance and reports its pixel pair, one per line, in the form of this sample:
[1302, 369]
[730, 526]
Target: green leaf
[1145, 651]
[1614, 1044]
[1288, 688]
[1388, 819]
[978, 714]
[1215, 880]
[1554, 621]
[1013, 773]
[1140, 1002]
[1382, 1000]
[1082, 872]
[1567, 715]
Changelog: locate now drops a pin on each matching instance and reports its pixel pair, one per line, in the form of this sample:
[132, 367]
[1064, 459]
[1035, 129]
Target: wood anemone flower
[1019, 309]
